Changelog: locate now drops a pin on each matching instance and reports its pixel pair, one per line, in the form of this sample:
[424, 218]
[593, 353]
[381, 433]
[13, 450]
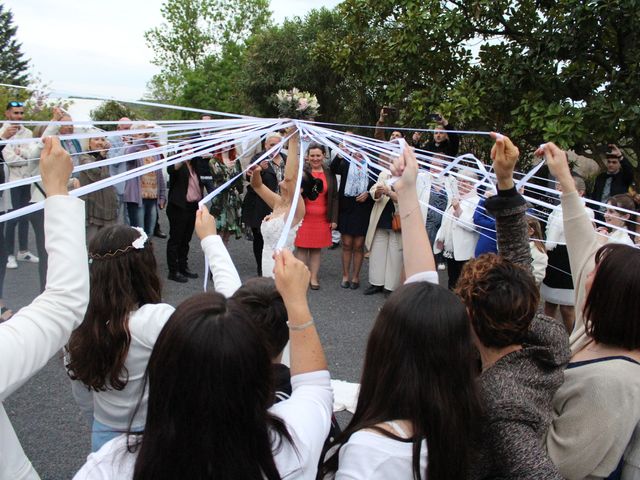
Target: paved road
[53, 432]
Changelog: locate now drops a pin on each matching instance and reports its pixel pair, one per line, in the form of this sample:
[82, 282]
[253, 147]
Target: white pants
[385, 260]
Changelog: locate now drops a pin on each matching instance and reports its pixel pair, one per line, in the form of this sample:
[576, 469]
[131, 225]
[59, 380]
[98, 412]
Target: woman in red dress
[321, 211]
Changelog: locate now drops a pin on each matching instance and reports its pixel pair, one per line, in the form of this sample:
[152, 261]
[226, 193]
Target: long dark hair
[123, 278]
[210, 386]
[420, 367]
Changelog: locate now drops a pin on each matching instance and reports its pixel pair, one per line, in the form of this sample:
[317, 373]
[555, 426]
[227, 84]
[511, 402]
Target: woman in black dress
[354, 211]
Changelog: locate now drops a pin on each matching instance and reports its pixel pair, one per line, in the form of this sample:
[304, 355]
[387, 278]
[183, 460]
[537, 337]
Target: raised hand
[55, 167]
[205, 223]
[292, 278]
[405, 166]
[558, 165]
[505, 156]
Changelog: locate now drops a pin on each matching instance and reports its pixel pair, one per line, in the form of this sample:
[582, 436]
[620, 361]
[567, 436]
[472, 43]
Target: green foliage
[111, 111]
[13, 65]
[199, 35]
[291, 55]
[37, 105]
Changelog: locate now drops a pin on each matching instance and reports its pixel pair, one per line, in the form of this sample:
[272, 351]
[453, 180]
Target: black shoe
[373, 289]
[334, 245]
[345, 284]
[159, 233]
[177, 277]
[355, 285]
[188, 273]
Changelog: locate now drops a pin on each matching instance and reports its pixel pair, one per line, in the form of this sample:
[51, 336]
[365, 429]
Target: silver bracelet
[300, 327]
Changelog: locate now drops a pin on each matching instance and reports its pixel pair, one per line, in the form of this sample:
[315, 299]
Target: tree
[562, 70]
[196, 31]
[13, 65]
[287, 56]
[111, 111]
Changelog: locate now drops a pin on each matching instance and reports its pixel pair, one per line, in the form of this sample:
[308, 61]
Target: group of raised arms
[474, 383]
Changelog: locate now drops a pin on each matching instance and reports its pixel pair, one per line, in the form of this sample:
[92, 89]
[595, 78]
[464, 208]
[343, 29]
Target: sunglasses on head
[15, 104]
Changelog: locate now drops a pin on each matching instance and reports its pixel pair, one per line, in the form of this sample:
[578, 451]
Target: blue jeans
[144, 216]
[101, 434]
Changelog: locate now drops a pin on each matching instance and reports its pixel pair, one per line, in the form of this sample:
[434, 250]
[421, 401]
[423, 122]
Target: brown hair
[501, 298]
[536, 237]
[612, 307]
[123, 279]
[624, 200]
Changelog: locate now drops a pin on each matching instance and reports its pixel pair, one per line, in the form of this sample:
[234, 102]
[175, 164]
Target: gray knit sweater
[517, 390]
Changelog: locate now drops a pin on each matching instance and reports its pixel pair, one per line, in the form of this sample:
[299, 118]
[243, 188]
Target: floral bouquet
[296, 104]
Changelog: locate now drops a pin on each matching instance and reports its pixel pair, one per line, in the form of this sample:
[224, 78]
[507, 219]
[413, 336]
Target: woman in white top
[210, 387]
[280, 204]
[108, 353]
[410, 408]
[620, 222]
[595, 432]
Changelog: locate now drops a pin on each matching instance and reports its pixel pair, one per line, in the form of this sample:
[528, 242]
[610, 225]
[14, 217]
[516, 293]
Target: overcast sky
[97, 47]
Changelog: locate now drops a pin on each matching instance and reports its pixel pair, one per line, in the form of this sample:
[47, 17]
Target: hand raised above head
[556, 159]
[505, 156]
[405, 166]
[55, 167]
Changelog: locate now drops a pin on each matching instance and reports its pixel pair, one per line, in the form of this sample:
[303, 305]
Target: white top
[37, 332]
[271, 230]
[307, 415]
[539, 261]
[371, 455]
[620, 236]
[595, 413]
[114, 407]
[459, 234]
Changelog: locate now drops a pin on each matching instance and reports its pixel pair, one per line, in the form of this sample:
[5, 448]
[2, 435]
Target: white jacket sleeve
[225, 276]
[36, 332]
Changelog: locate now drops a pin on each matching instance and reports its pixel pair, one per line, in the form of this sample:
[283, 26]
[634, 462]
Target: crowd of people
[469, 380]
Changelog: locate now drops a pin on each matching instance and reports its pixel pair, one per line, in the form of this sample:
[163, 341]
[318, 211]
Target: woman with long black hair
[409, 402]
[210, 396]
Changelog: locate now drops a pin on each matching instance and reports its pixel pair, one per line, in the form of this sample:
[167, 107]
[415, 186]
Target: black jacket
[619, 184]
[254, 209]
[178, 186]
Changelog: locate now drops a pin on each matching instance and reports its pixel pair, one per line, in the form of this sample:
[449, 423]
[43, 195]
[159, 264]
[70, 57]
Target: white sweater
[307, 415]
[596, 412]
[115, 407]
[37, 332]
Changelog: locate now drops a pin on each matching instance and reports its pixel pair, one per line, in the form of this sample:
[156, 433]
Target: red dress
[315, 231]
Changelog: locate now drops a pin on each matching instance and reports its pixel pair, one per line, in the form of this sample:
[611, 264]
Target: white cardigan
[460, 230]
[37, 332]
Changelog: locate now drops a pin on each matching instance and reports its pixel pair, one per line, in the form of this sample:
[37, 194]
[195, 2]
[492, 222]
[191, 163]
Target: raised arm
[225, 276]
[292, 280]
[33, 335]
[293, 163]
[269, 197]
[508, 206]
[417, 253]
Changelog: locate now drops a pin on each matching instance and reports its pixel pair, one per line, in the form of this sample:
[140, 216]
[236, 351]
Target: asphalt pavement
[53, 432]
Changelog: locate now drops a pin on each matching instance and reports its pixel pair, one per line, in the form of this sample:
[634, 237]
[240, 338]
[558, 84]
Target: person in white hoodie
[38, 331]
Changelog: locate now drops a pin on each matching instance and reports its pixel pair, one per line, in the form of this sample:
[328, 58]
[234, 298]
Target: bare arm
[417, 253]
[292, 166]
[292, 280]
[269, 197]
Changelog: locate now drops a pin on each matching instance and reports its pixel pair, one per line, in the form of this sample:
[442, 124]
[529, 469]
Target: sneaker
[27, 257]
[11, 262]
[442, 266]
